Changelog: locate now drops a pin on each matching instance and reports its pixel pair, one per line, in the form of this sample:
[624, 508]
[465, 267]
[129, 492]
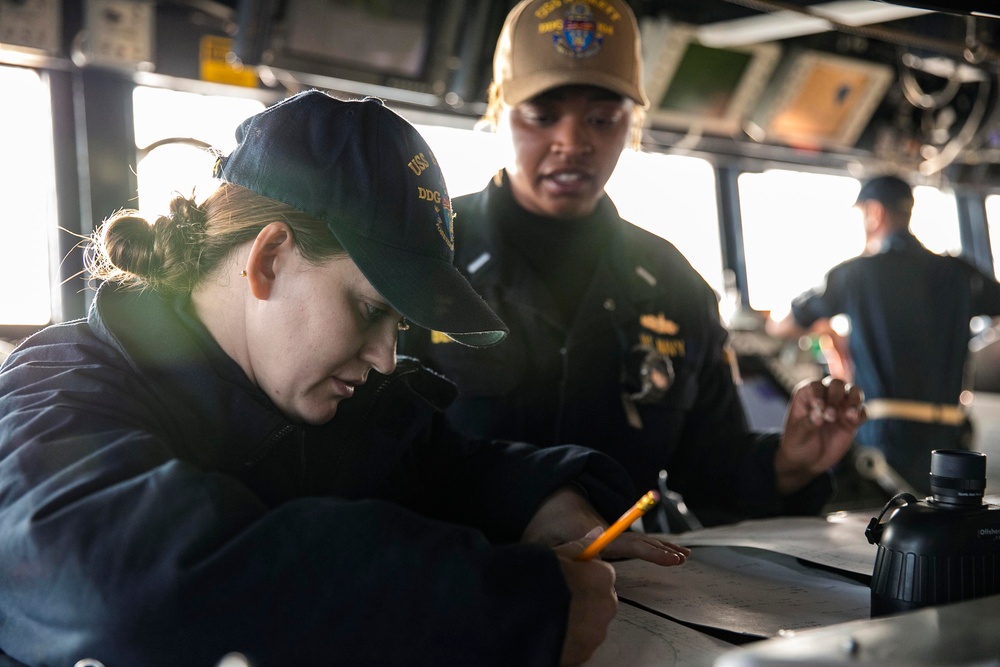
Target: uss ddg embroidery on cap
[437, 196]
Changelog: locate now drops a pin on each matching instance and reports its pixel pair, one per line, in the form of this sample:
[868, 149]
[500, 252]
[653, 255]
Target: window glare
[27, 188]
[468, 158]
[673, 196]
[993, 225]
[935, 220]
[179, 166]
[796, 226]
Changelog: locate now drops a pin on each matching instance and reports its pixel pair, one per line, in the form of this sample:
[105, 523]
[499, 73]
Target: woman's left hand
[566, 516]
[645, 547]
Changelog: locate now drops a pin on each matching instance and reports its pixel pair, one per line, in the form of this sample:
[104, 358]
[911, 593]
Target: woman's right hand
[593, 604]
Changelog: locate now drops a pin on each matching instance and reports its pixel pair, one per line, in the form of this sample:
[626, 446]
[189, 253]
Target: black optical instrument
[942, 549]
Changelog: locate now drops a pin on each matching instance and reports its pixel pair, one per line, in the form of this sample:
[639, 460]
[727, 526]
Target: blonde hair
[172, 254]
[495, 106]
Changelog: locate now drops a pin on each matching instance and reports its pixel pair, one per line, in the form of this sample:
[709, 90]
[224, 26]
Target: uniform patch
[659, 324]
[439, 337]
[647, 374]
[670, 347]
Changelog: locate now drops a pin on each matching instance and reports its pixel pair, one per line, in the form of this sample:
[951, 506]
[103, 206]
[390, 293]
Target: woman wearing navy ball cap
[227, 456]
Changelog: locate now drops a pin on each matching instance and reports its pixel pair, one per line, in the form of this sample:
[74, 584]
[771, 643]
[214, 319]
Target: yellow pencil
[641, 506]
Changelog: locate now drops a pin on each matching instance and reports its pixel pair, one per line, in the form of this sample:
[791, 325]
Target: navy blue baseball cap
[892, 192]
[369, 175]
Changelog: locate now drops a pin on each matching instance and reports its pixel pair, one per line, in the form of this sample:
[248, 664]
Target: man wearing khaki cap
[615, 341]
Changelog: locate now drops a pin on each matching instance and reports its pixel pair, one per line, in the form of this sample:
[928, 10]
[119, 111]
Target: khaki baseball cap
[545, 44]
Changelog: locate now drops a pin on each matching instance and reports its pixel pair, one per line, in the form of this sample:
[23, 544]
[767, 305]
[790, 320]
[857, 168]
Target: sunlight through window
[935, 220]
[993, 224]
[468, 158]
[673, 196]
[27, 187]
[797, 226]
[185, 123]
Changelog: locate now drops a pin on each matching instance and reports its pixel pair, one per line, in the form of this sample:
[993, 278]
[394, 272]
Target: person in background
[615, 340]
[227, 455]
[909, 311]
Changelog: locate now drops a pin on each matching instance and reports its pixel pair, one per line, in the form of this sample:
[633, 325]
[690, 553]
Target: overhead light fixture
[784, 24]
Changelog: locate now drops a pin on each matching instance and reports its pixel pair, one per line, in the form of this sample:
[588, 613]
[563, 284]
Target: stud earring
[403, 325]
[243, 273]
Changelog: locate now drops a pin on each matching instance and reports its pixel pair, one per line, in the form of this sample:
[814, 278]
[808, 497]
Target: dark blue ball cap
[891, 191]
[369, 175]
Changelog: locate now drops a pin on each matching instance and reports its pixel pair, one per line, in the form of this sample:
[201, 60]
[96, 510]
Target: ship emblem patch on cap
[446, 221]
[579, 36]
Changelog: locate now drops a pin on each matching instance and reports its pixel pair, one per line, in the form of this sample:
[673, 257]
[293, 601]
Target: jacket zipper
[270, 444]
[560, 408]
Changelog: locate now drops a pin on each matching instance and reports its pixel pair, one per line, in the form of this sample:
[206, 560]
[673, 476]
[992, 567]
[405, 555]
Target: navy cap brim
[405, 281]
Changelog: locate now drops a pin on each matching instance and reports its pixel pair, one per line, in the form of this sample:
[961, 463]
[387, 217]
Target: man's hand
[820, 424]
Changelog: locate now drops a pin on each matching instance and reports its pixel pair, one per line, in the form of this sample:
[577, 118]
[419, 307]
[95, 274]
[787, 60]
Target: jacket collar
[623, 275]
[902, 239]
[484, 250]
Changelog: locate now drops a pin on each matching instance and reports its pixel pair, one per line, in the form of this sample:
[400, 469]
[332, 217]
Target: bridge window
[993, 223]
[796, 226]
[935, 220]
[799, 225]
[27, 188]
[172, 131]
[673, 196]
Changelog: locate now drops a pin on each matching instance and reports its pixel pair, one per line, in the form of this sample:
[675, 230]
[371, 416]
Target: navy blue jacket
[156, 509]
[910, 311]
[551, 383]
